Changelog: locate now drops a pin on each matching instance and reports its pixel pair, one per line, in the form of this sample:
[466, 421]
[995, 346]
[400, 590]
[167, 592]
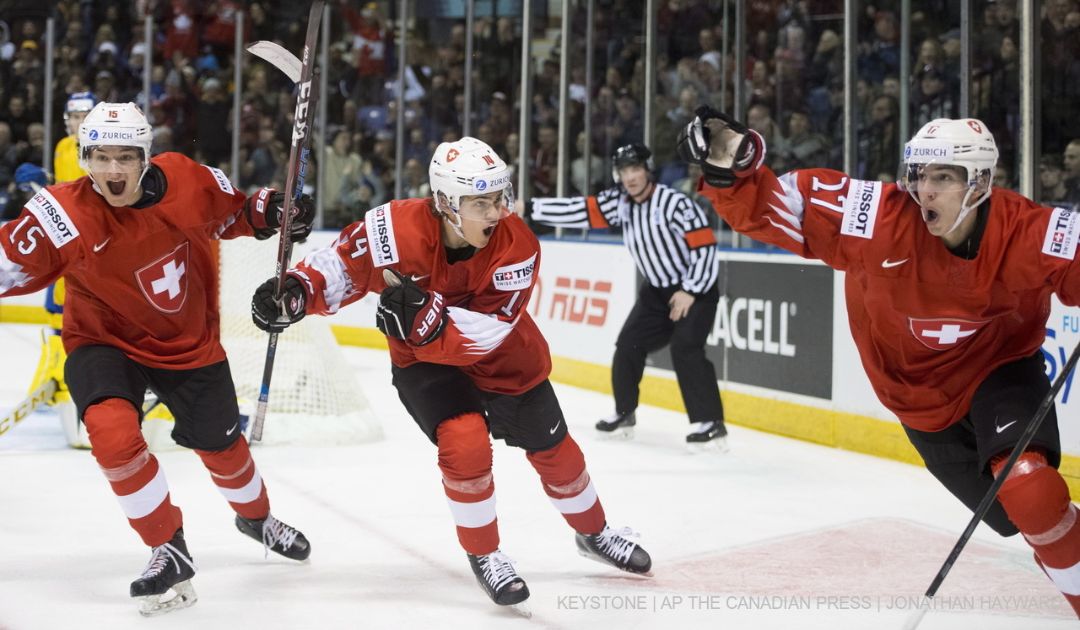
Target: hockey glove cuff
[410, 313]
[725, 152]
[266, 312]
[258, 208]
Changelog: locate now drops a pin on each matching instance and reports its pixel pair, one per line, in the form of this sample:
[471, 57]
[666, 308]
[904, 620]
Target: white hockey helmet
[115, 125]
[468, 167]
[966, 143]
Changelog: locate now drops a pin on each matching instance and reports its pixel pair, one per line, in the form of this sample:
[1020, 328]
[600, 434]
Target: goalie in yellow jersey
[51, 363]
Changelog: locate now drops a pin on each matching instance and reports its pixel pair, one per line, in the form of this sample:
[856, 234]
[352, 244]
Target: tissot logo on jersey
[222, 181]
[51, 215]
[515, 277]
[164, 282]
[944, 333]
[1061, 234]
[381, 234]
[860, 208]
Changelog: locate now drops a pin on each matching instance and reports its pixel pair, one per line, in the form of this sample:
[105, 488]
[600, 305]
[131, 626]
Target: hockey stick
[915, 616]
[38, 397]
[306, 97]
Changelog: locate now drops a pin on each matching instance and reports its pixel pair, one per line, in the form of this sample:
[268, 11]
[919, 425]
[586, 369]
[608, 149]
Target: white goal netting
[315, 398]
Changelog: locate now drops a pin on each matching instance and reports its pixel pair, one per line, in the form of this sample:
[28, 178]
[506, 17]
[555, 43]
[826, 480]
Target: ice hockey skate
[612, 547]
[618, 426]
[165, 584]
[276, 536]
[707, 437]
[496, 575]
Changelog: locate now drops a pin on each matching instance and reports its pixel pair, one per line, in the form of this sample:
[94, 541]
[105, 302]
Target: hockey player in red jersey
[133, 241]
[455, 272]
[948, 287]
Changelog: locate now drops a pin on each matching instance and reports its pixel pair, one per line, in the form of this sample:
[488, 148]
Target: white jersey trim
[246, 494]
[147, 498]
[578, 503]
[473, 515]
[11, 274]
[486, 332]
[222, 180]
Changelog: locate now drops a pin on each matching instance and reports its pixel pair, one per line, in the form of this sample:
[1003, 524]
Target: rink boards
[780, 343]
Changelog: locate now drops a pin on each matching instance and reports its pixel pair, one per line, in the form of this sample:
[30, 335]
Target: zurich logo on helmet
[93, 134]
[480, 185]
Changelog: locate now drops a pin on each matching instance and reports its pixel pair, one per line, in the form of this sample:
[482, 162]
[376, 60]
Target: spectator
[1052, 180]
[1002, 177]
[759, 118]
[932, 99]
[804, 147]
[1071, 160]
[212, 145]
[882, 141]
[28, 179]
[340, 163]
[597, 176]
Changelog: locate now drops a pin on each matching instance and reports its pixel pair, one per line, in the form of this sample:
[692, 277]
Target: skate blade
[521, 609]
[595, 558]
[620, 434]
[183, 595]
[718, 446]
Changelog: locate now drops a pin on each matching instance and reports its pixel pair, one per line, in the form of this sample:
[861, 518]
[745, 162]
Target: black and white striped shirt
[668, 234]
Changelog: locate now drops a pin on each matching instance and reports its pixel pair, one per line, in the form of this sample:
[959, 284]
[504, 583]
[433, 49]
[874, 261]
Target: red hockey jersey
[144, 281]
[929, 325]
[489, 335]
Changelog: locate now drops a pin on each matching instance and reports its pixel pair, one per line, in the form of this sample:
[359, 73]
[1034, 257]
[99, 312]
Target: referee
[674, 248]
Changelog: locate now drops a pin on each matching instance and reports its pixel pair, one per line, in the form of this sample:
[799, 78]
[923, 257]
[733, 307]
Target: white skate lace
[160, 559]
[498, 569]
[274, 531]
[614, 543]
[703, 427]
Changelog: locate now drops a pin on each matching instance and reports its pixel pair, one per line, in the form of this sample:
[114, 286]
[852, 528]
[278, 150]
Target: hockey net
[315, 398]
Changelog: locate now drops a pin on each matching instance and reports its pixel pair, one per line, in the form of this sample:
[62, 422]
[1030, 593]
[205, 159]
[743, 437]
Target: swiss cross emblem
[452, 155]
[164, 282]
[942, 334]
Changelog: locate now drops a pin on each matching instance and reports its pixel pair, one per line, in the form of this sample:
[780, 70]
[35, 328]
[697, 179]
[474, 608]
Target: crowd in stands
[793, 80]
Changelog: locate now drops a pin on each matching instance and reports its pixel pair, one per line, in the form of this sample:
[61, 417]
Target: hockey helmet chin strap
[454, 219]
[966, 207]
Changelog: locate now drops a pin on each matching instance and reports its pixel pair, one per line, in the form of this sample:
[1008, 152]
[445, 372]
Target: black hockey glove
[265, 312]
[267, 223]
[408, 312]
[738, 151]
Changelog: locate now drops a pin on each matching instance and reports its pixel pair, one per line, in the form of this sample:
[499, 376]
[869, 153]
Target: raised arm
[599, 211]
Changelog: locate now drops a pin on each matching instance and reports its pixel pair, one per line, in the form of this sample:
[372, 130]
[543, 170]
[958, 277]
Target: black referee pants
[649, 328]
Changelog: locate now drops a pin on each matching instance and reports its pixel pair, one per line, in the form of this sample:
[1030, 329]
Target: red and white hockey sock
[568, 485]
[1036, 499]
[237, 479]
[465, 462]
[139, 483]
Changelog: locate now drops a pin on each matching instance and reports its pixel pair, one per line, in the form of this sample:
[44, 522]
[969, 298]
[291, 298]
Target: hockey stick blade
[306, 98]
[277, 56]
[1022, 443]
[43, 394]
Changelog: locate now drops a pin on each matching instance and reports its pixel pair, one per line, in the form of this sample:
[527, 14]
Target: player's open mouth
[489, 229]
[117, 188]
[930, 216]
